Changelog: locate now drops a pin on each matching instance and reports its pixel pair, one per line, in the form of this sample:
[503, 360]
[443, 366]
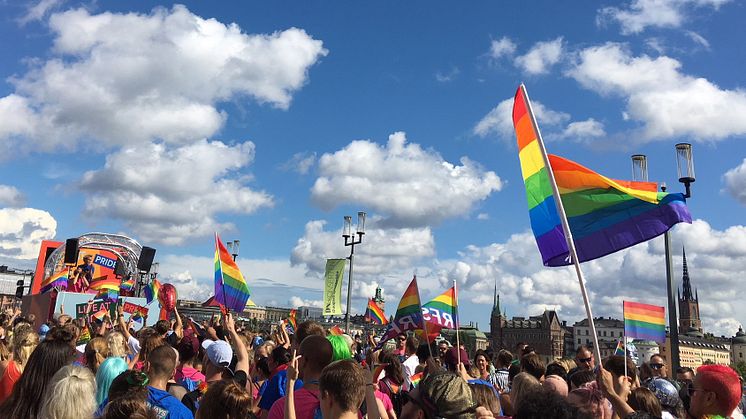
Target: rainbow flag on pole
[151, 290]
[442, 310]
[604, 215]
[408, 314]
[619, 351]
[643, 321]
[128, 284]
[58, 280]
[375, 314]
[230, 286]
[108, 295]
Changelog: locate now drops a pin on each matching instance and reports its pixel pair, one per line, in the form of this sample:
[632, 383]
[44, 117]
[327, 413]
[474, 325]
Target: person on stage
[83, 274]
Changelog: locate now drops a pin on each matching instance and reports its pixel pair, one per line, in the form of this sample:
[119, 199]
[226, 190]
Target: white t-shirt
[410, 365]
[134, 345]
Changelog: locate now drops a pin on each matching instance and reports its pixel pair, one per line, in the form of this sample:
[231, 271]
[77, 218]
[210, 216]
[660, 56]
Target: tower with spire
[378, 299]
[689, 322]
[496, 323]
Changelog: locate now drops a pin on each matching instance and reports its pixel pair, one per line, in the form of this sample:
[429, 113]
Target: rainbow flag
[137, 316]
[643, 321]
[108, 295]
[58, 280]
[375, 314]
[408, 314]
[151, 291]
[101, 314]
[336, 330]
[228, 278]
[292, 319]
[415, 380]
[604, 215]
[85, 336]
[442, 310]
[104, 283]
[619, 351]
[128, 284]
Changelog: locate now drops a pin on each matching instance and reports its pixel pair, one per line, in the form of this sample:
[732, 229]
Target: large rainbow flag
[57, 280]
[152, 290]
[643, 321]
[441, 311]
[104, 283]
[375, 314]
[604, 215]
[408, 314]
[230, 286]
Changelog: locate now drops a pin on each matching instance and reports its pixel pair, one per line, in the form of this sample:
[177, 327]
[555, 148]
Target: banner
[98, 305]
[132, 308]
[333, 286]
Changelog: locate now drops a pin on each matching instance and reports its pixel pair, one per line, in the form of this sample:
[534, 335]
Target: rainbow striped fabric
[100, 315]
[104, 283]
[604, 215]
[151, 290]
[85, 336]
[128, 284]
[643, 321]
[228, 279]
[336, 331]
[408, 315]
[415, 380]
[108, 295]
[619, 351]
[375, 314]
[442, 310]
[292, 319]
[58, 280]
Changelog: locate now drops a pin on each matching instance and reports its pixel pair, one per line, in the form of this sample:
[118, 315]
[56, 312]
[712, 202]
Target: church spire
[496, 302]
[686, 284]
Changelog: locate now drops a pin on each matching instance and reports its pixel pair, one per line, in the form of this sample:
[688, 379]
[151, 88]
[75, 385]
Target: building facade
[609, 330]
[738, 346]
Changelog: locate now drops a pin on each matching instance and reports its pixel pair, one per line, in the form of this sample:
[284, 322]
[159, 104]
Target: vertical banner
[333, 286]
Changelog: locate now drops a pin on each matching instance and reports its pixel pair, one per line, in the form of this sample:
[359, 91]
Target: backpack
[396, 394]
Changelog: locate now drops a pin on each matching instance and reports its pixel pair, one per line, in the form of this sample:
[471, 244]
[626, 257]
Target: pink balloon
[167, 297]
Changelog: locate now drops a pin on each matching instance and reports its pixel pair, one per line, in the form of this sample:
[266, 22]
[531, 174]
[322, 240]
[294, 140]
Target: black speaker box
[71, 251]
[146, 259]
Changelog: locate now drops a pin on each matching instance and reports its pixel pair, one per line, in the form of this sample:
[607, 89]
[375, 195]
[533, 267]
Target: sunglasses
[401, 339]
[657, 366]
[585, 359]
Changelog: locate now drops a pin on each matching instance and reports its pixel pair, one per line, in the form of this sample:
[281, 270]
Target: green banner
[333, 286]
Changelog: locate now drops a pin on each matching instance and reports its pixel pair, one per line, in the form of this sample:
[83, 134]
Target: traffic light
[19, 290]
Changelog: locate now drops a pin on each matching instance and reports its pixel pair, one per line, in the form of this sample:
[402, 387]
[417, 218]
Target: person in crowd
[161, 367]
[278, 362]
[315, 354]
[48, 357]
[341, 349]
[584, 359]
[443, 346]
[186, 375]
[225, 399]
[590, 400]
[442, 394]
[581, 377]
[82, 275]
[149, 340]
[716, 390]
[486, 396]
[23, 343]
[411, 361]
[502, 364]
[615, 385]
[392, 384]
[532, 364]
[117, 344]
[342, 387]
[658, 365]
[543, 403]
[556, 384]
[668, 396]
[523, 383]
[71, 394]
[452, 357]
[401, 347]
[128, 398]
[684, 374]
[482, 361]
[107, 372]
[96, 351]
[306, 329]
[642, 399]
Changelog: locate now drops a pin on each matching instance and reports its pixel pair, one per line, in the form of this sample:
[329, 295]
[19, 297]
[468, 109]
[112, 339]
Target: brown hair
[308, 328]
[225, 399]
[131, 405]
[162, 362]
[523, 384]
[532, 364]
[642, 399]
[317, 353]
[485, 396]
[148, 344]
[96, 351]
[344, 381]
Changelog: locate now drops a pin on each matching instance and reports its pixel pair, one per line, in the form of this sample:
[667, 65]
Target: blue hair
[107, 372]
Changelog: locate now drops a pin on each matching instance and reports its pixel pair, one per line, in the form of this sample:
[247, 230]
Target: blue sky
[269, 122]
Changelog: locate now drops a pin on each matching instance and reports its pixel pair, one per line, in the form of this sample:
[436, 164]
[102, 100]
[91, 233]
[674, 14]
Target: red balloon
[167, 297]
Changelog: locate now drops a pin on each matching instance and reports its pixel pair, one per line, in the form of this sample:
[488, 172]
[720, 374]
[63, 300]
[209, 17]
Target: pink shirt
[385, 399]
[188, 372]
[306, 403]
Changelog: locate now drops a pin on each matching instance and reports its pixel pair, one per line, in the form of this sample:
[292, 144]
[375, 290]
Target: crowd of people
[218, 370]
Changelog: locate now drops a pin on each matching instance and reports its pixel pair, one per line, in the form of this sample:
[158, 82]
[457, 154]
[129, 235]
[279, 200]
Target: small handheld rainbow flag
[85, 336]
[643, 321]
[442, 310]
[101, 314]
[416, 379]
[374, 314]
[619, 351]
[292, 319]
[151, 291]
[231, 289]
[336, 330]
[104, 283]
[128, 284]
[58, 280]
[108, 295]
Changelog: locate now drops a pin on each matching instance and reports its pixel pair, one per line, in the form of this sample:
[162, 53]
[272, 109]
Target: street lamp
[351, 241]
[233, 248]
[685, 171]
[154, 270]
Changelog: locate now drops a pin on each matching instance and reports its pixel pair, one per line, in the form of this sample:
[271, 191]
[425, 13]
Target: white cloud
[10, 196]
[483, 216]
[301, 162]
[541, 57]
[296, 302]
[450, 75]
[666, 101]
[503, 47]
[117, 79]
[716, 262]
[642, 14]
[22, 230]
[171, 194]
[39, 10]
[409, 185]
[735, 182]
[698, 39]
[590, 128]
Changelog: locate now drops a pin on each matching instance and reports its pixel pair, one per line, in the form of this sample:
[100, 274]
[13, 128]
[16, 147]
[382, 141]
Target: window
[580, 341]
[604, 333]
[587, 341]
[586, 332]
[612, 333]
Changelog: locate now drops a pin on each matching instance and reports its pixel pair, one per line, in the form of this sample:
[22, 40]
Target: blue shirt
[167, 406]
[276, 389]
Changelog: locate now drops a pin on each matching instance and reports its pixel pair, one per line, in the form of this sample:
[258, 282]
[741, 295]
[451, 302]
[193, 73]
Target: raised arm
[242, 355]
[179, 326]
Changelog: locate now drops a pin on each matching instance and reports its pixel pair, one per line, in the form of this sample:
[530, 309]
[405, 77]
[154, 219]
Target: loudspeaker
[71, 251]
[119, 270]
[146, 259]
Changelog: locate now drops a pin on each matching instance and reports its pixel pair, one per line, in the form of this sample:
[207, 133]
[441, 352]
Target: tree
[740, 368]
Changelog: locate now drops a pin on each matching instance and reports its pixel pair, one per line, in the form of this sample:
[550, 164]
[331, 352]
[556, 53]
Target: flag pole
[427, 334]
[458, 341]
[565, 226]
[624, 340]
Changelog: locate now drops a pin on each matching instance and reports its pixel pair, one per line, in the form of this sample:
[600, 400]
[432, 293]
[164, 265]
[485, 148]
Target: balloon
[167, 297]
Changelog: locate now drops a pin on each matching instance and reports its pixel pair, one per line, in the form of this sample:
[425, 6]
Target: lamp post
[233, 248]
[351, 241]
[154, 270]
[685, 171]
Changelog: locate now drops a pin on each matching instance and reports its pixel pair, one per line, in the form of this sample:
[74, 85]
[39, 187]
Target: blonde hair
[117, 344]
[23, 344]
[96, 351]
[523, 384]
[567, 363]
[70, 395]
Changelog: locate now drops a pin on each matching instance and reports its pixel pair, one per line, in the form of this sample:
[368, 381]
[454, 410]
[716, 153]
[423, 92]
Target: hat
[444, 394]
[452, 357]
[43, 330]
[556, 384]
[219, 352]
[187, 347]
[664, 391]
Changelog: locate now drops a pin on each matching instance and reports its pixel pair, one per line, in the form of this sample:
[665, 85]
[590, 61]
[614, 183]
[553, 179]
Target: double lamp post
[351, 241]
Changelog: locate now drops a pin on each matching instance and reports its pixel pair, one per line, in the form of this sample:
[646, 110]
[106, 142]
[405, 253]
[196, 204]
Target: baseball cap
[219, 352]
[43, 330]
